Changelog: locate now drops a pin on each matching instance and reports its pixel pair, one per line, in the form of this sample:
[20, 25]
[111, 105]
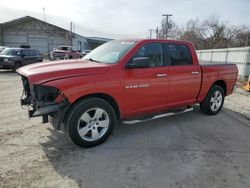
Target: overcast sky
[123, 18]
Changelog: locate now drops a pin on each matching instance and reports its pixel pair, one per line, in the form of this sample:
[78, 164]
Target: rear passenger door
[26, 57]
[39, 56]
[184, 75]
[33, 56]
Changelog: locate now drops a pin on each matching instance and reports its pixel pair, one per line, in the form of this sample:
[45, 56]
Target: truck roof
[152, 40]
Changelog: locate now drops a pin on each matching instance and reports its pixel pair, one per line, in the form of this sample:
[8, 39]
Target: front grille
[1, 60]
[58, 54]
[26, 85]
[26, 98]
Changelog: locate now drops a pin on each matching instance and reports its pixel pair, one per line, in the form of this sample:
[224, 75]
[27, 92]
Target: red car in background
[65, 52]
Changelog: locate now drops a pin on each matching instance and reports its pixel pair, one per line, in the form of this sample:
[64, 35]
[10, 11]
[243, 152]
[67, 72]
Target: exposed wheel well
[105, 97]
[222, 84]
[18, 62]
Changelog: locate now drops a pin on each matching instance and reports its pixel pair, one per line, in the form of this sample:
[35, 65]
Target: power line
[167, 22]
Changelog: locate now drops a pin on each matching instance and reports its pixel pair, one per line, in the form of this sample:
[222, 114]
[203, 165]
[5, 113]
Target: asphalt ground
[185, 150]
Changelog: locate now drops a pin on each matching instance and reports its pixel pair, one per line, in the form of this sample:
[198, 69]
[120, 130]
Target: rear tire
[214, 101]
[90, 122]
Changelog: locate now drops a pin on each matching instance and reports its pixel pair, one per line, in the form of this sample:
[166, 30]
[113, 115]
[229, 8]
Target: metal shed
[93, 42]
[239, 56]
[40, 35]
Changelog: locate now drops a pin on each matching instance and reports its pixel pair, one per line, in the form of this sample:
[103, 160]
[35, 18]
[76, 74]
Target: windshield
[109, 52]
[65, 48]
[10, 51]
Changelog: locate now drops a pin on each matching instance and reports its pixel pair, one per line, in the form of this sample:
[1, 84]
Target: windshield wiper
[93, 60]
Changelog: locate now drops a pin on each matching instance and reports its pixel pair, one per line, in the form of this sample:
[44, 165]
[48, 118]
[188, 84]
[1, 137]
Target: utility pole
[44, 15]
[150, 33]
[71, 33]
[247, 40]
[167, 22]
[157, 32]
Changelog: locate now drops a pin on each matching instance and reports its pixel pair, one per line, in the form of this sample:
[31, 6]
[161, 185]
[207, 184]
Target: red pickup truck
[120, 80]
[65, 52]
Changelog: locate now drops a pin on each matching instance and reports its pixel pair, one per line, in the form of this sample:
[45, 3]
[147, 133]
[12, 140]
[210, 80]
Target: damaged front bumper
[42, 100]
[45, 110]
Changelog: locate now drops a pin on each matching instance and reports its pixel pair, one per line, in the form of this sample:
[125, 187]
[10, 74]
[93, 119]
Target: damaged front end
[42, 100]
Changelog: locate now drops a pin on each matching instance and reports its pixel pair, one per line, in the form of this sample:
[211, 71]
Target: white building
[43, 36]
[239, 56]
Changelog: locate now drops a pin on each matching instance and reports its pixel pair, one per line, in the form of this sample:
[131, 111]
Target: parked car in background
[13, 58]
[2, 48]
[65, 52]
[120, 80]
[85, 52]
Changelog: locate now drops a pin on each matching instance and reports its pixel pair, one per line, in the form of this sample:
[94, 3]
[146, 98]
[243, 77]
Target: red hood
[39, 73]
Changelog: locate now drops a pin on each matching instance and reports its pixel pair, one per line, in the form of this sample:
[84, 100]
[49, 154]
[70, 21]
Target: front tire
[16, 66]
[214, 101]
[90, 122]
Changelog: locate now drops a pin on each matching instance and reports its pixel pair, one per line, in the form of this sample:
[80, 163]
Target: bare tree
[209, 33]
[242, 39]
[173, 30]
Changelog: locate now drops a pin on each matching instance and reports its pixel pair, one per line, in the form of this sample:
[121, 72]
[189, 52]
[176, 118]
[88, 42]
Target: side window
[25, 53]
[38, 53]
[33, 53]
[154, 52]
[178, 54]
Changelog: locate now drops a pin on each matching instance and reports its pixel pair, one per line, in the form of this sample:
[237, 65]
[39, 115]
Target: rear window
[178, 54]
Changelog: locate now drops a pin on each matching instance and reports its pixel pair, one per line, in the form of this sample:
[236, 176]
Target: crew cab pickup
[120, 80]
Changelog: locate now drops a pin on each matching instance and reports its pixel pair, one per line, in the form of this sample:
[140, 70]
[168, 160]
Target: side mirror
[138, 63]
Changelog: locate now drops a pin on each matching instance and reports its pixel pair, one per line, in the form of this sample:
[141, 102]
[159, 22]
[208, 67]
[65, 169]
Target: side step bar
[157, 116]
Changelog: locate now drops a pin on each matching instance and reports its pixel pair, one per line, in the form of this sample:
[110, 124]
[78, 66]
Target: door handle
[195, 72]
[161, 75]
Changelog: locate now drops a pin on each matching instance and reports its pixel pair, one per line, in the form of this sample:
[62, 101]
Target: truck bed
[212, 73]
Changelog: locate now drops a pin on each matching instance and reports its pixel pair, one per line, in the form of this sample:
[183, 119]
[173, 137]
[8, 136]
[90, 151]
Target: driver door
[146, 89]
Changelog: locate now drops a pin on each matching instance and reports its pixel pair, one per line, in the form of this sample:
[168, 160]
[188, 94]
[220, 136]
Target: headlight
[45, 93]
[6, 60]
